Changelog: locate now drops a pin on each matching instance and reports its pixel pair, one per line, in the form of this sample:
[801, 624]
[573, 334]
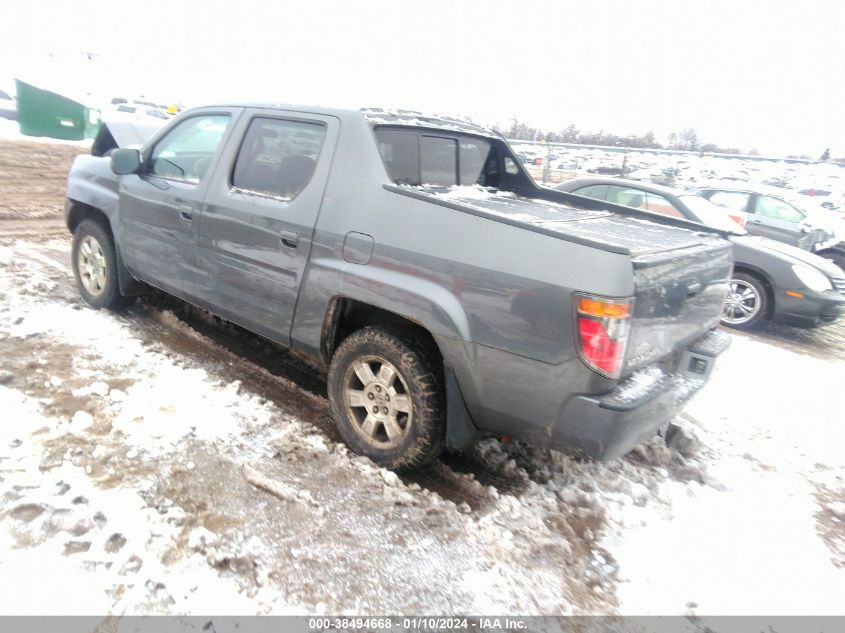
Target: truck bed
[614, 231]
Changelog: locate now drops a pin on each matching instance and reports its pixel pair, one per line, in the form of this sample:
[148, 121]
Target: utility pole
[547, 170]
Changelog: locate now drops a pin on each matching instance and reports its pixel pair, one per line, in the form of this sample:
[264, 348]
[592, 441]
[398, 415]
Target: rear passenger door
[776, 219]
[259, 214]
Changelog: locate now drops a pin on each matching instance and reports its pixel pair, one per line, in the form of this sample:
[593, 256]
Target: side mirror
[125, 161]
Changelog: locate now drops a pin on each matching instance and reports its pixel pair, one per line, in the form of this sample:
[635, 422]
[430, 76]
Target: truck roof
[375, 116]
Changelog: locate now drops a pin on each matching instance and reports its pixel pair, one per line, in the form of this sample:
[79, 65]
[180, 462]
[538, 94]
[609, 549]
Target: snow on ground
[155, 461]
[749, 540]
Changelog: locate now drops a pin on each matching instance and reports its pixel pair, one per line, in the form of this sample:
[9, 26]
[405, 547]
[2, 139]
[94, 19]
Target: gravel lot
[160, 461]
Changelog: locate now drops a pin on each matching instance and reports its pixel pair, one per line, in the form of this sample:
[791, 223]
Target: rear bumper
[606, 427]
[814, 309]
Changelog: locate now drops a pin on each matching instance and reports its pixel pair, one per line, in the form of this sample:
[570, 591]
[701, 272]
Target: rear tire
[94, 261]
[747, 303]
[387, 397]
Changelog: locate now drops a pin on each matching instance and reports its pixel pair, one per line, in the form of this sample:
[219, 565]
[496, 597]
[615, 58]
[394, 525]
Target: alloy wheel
[742, 303]
[378, 401]
[91, 262]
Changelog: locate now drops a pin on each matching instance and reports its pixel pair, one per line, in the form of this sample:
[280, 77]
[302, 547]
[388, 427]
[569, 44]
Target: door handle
[289, 239]
[186, 211]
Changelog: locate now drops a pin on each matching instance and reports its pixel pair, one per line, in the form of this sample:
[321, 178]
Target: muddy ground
[165, 462]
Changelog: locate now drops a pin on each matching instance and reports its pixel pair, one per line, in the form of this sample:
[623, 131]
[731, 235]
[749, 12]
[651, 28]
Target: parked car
[773, 213]
[771, 280]
[448, 295]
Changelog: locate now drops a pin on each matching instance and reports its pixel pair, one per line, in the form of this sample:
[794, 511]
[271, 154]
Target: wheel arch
[76, 213]
[345, 315]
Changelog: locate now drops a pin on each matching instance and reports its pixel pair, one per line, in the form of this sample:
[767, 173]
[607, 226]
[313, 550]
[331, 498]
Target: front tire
[387, 398]
[94, 262]
[747, 303]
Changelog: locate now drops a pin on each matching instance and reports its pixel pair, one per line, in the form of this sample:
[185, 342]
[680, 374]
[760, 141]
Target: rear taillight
[603, 327]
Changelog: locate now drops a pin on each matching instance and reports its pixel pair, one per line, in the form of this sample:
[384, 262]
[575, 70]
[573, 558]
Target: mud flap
[128, 285]
[460, 431]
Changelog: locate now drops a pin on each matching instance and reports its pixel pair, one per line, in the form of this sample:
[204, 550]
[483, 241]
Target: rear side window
[626, 196]
[277, 157]
[476, 163]
[438, 161]
[599, 192]
[416, 158]
[659, 204]
[185, 153]
[401, 155]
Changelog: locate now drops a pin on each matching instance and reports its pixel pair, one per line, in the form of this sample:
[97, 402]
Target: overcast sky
[766, 75]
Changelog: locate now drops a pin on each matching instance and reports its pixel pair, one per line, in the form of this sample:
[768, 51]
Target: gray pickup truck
[448, 295]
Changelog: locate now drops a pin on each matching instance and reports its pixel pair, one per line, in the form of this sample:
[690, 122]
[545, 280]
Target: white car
[783, 216]
[8, 106]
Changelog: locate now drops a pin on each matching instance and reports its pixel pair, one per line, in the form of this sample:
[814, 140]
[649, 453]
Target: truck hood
[615, 232]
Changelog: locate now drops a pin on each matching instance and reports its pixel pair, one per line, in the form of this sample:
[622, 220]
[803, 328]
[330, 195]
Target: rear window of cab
[429, 158]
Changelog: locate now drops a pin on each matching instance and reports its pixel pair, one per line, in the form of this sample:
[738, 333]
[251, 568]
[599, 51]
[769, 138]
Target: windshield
[711, 215]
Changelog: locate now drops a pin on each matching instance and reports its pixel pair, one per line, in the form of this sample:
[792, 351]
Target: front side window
[185, 153]
[277, 157]
[777, 209]
[734, 201]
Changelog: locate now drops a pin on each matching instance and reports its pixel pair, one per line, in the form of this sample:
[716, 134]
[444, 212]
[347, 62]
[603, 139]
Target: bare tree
[688, 139]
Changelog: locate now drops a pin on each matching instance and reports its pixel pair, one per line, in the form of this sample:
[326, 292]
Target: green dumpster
[45, 113]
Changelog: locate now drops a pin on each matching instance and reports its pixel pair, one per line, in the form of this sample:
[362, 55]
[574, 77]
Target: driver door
[159, 206]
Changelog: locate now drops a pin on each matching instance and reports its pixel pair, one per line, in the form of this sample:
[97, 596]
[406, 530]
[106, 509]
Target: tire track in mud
[299, 389]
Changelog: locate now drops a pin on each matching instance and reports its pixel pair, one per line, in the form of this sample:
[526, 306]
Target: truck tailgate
[678, 297]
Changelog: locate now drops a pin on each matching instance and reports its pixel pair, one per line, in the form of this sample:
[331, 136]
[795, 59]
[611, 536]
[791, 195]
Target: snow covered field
[689, 170]
[158, 461]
